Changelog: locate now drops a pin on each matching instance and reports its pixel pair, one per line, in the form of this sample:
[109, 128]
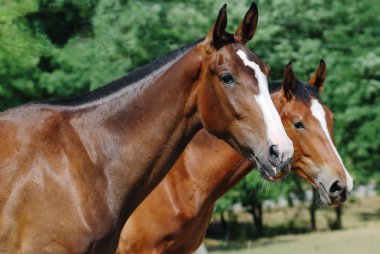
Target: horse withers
[175, 216]
[72, 171]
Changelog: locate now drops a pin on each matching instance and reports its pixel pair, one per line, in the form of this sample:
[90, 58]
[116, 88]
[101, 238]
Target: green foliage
[253, 190]
[20, 51]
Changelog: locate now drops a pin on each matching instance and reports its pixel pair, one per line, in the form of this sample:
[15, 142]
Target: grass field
[361, 234]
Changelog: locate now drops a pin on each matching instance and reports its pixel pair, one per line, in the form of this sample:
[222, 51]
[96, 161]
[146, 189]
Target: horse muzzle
[334, 195]
[274, 173]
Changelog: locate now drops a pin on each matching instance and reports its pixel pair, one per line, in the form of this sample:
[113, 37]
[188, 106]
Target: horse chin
[266, 172]
[316, 183]
[269, 172]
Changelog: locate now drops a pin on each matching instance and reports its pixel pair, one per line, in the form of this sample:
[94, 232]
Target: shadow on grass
[241, 232]
[366, 216]
[237, 246]
[228, 246]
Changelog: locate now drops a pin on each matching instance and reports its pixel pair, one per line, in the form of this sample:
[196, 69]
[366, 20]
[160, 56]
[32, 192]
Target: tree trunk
[256, 211]
[338, 221]
[224, 225]
[313, 209]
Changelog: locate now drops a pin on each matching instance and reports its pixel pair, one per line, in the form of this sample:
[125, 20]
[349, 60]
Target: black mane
[114, 86]
[303, 91]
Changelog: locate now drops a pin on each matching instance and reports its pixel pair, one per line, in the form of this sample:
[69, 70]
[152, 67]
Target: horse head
[309, 123]
[233, 99]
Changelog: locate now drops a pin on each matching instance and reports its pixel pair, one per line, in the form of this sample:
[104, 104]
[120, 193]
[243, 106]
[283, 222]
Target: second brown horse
[174, 217]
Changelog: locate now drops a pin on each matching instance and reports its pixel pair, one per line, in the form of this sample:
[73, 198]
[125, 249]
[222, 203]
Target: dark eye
[298, 125]
[227, 78]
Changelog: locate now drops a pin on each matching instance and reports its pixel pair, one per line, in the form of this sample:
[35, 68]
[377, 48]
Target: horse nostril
[274, 151]
[343, 196]
[336, 188]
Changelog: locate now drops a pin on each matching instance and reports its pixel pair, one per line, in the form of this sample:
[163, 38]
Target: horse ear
[247, 27]
[217, 35]
[289, 82]
[220, 25]
[319, 77]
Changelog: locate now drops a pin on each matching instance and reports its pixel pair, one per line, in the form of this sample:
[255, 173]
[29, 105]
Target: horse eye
[227, 78]
[299, 125]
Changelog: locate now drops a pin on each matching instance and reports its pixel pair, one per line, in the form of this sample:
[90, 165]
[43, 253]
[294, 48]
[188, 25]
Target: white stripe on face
[319, 113]
[274, 129]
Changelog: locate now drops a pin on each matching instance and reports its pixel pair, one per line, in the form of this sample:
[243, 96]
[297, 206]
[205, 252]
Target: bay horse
[175, 216]
[72, 171]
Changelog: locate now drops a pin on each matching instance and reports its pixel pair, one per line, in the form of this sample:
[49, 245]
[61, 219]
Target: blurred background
[58, 48]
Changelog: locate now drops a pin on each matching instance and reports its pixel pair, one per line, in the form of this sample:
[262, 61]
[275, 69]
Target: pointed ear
[319, 77]
[289, 82]
[217, 35]
[220, 25]
[247, 27]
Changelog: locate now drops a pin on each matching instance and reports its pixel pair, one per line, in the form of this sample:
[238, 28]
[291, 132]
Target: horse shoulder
[45, 169]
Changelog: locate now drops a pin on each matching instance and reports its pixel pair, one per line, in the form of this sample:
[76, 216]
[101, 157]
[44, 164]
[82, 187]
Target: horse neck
[136, 140]
[208, 168]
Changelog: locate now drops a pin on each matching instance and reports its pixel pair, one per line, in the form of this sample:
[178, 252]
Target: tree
[20, 51]
[252, 191]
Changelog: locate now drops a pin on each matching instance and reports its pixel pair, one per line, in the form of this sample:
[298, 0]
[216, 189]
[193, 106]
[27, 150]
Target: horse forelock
[303, 92]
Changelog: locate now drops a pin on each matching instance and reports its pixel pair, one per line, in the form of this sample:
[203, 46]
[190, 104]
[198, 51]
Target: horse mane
[303, 92]
[118, 84]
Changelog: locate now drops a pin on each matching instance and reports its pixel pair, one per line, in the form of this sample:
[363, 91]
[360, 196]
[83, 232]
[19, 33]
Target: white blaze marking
[319, 113]
[274, 128]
